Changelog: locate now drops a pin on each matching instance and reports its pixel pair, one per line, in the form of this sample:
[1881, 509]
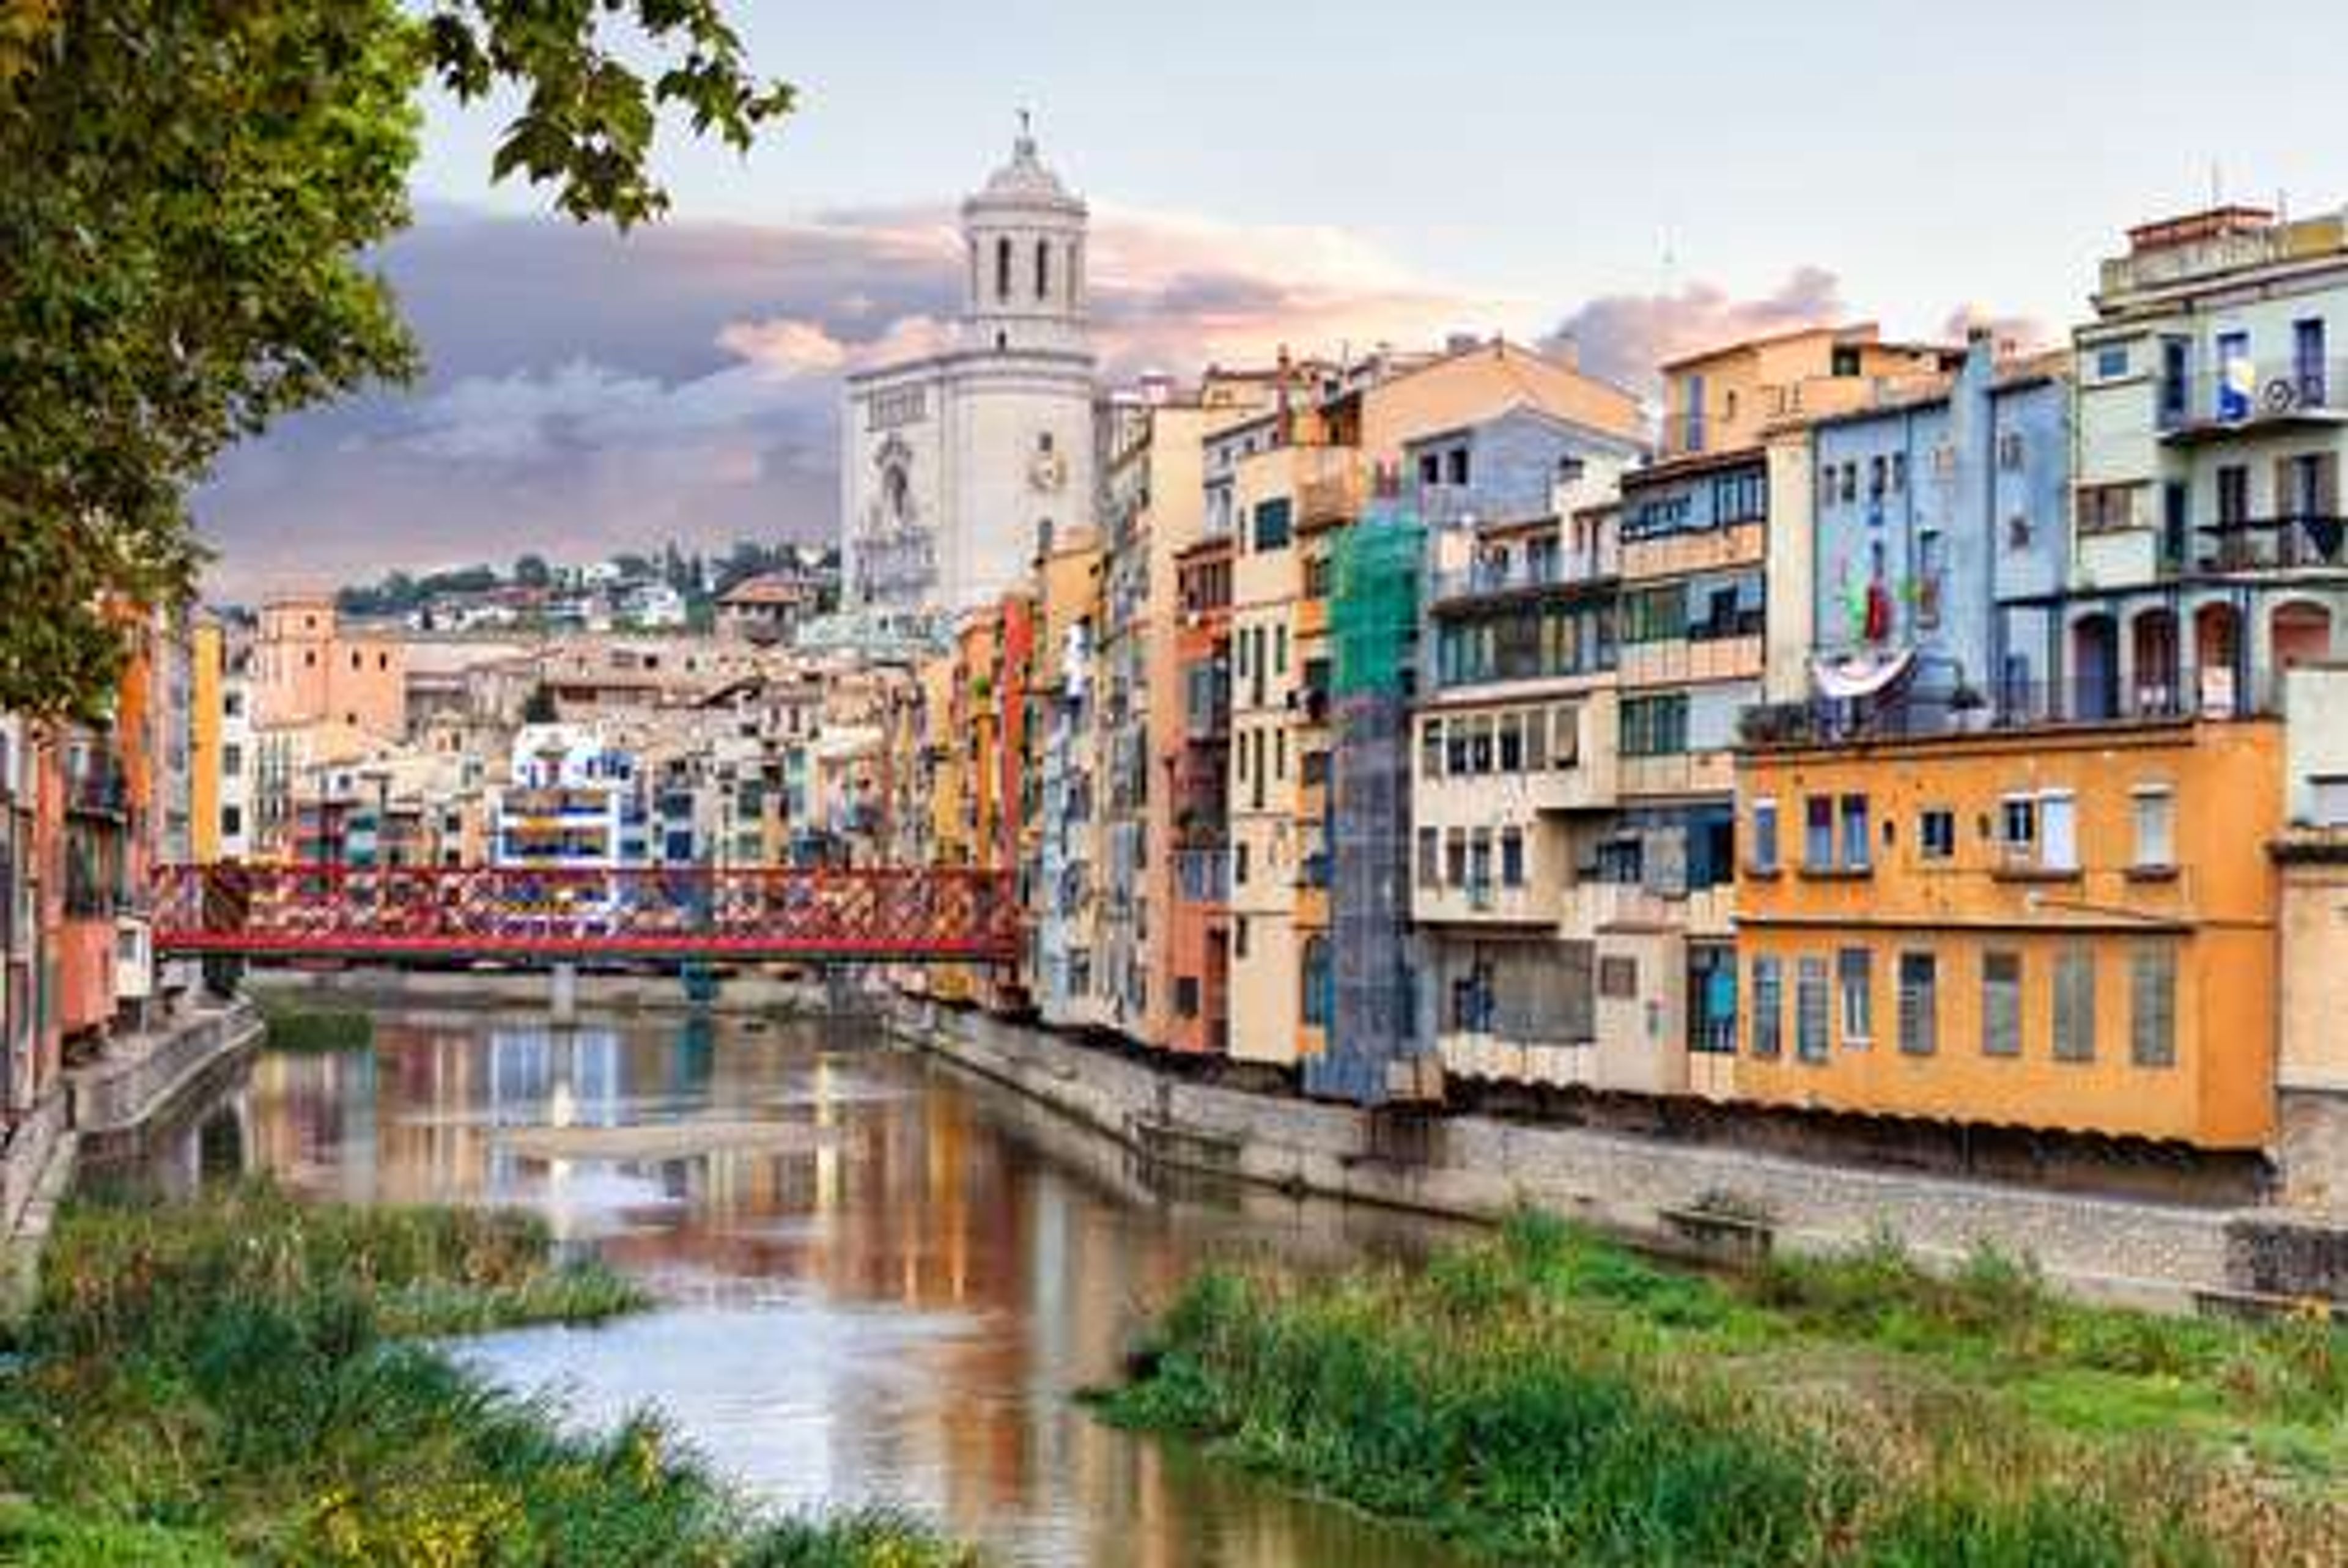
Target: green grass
[296, 1028]
[1550, 1396]
[232, 1380]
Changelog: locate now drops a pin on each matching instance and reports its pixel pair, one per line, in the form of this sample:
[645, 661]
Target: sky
[1644, 179]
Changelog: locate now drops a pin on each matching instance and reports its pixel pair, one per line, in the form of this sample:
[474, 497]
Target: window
[1239, 936]
[232, 758]
[1898, 472]
[1043, 270]
[2010, 450]
[1479, 862]
[1002, 269]
[1936, 833]
[2154, 810]
[2058, 842]
[1239, 862]
[2106, 509]
[2074, 1004]
[1454, 857]
[2001, 1004]
[1430, 749]
[1618, 979]
[1765, 837]
[1855, 836]
[2017, 827]
[1740, 497]
[1810, 1009]
[1768, 1008]
[1430, 858]
[1654, 726]
[1459, 463]
[2152, 1005]
[1877, 476]
[1512, 743]
[1271, 524]
[232, 820]
[1855, 972]
[1185, 996]
[1564, 735]
[1279, 649]
[1430, 468]
[1817, 833]
[1512, 857]
[1919, 1004]
[2111, 362]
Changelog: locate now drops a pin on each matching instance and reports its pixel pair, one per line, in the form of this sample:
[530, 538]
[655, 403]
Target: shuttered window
[1919, 1004]
[1810, 1009]
[1768, 1007]
[2001, 1004]
[2152, 1005]
[2074, 1004]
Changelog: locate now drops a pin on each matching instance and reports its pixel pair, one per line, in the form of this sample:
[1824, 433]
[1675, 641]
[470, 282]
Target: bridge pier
[562, 993]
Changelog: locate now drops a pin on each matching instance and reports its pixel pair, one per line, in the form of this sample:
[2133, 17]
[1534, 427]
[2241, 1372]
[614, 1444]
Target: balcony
[1203, 875]
[2251, 395]
[2155, 696]
[1526, 573]
[1329, 486]
[2294, 540]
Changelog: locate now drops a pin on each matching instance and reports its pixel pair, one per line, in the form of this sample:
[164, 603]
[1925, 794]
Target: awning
[1860, 674]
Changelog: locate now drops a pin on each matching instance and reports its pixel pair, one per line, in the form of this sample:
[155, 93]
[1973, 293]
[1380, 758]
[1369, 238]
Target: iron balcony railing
[2253, 391]
[1558, 568]
[2161, 694]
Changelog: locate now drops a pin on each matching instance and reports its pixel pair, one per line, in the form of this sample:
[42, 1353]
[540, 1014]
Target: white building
[955, 467]
[573, 802]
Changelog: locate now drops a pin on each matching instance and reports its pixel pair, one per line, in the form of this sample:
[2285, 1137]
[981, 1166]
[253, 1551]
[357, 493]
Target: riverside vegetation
[1547, 1395]
[238, 1379]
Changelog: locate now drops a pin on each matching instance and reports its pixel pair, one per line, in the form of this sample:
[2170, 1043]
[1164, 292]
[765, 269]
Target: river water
[880, 1280]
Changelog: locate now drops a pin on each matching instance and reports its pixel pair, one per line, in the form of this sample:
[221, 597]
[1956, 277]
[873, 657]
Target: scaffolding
[1375, 1041]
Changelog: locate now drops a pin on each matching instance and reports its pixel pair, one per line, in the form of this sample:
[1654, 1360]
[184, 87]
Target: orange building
[2064, 929]
[1198, 936]
[307, 667]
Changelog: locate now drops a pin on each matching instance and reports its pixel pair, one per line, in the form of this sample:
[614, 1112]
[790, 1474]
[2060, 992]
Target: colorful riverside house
[1716, 615]
[1514, 781]
[1197, 956]
[2062, 928]
[2311, 862]
[1927, 511]
[2211, 549]
[1059, 850]
[1153, 501]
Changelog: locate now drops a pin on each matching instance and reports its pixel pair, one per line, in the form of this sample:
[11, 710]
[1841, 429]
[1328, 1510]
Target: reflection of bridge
[453, 914]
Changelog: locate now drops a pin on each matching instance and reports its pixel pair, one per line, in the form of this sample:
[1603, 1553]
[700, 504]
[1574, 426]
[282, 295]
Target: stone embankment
[1705, 1199]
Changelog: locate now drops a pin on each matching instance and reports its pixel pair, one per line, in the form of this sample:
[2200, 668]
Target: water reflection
[895, 1306]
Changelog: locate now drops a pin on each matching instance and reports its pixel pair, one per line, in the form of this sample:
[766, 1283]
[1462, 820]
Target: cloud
[590, 392]
[2018, 334]
[1623, 337]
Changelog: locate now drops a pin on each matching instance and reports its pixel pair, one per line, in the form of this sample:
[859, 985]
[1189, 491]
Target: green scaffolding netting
[1374, 601]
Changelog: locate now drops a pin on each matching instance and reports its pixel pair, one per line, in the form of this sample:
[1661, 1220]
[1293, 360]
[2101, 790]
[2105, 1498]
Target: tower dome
[1025, 234]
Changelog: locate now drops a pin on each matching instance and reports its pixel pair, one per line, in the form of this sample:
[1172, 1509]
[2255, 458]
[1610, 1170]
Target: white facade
[956, 467]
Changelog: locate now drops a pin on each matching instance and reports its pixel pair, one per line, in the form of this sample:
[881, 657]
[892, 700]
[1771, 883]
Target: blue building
[1929, 513]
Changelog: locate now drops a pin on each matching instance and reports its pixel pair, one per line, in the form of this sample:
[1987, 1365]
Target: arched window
[1043, 270]
[1002, 269]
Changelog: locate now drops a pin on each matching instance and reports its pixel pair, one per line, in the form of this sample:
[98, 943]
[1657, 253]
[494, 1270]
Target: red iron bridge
[427, 915]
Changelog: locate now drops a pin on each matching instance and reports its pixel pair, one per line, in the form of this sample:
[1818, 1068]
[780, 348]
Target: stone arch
[2094, 666]
[2153, 646]
[2299, 631]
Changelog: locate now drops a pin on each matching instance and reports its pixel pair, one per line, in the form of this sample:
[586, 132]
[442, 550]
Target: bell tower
[1024, 281]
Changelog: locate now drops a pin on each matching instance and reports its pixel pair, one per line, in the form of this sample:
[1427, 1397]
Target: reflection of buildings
[968, 1260]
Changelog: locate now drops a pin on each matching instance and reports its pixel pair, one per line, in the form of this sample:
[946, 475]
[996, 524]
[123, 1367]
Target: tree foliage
[189, 191]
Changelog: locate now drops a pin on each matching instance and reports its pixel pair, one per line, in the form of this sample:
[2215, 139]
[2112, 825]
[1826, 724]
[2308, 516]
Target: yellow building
[2062, 928]
[208, 659]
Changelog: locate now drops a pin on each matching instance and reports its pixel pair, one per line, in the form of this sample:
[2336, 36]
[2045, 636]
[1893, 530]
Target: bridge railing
[886, 913]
